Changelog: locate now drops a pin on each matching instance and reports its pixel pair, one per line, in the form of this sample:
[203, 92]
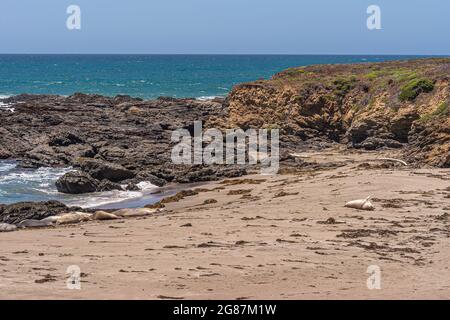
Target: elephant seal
[102, 215]
[31, 223]
[73, 217]
[139, 212]
[361, 204]
[6, 227]
[51, 219]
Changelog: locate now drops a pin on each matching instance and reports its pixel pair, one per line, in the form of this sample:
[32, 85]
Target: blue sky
[225, 26]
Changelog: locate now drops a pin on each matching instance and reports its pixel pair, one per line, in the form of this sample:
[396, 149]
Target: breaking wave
[17, 184]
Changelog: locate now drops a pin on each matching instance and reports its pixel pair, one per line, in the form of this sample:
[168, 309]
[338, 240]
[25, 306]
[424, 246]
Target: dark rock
[149, 177]
[18, 212]
[132, 187]
[77, 182]
[107, 185]
[206, 174]
[234, 173]
[401, 126]
[64, 139]
[373, 143]
[4, 154]
[101, 170]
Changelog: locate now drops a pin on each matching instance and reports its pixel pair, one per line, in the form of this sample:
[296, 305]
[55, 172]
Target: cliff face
[401, 104]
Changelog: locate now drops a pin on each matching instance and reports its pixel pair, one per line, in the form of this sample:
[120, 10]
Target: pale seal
[102, 215]
[6, 227]
[30, 223]
[361, 204]
[73, 217]
[139, 212]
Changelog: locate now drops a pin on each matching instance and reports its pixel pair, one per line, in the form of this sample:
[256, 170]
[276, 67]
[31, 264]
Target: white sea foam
[109, 197]
[102, 198]
[7, 166]
[145, 185]
[41, 175]
[207, 98]
[5, 106]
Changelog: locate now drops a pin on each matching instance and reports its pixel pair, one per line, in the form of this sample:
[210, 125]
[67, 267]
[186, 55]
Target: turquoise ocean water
[149, 76]
[145, 76]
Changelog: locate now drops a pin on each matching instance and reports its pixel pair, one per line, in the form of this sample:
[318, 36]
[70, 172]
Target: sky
[225, 27]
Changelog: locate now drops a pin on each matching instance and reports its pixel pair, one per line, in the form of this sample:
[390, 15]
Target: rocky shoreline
[115, 143]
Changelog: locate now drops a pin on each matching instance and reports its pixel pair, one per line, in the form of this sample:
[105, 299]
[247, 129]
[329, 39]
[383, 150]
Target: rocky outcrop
[113, 140]
[102, 170]
[398, 104]
[15, 213]
[77, 182]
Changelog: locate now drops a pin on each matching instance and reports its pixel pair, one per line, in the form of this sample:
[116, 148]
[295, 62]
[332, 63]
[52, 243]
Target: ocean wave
[18, 184]
[5, 106]
[95, 200]
[145, 185]
[41, 175]
[99, 199]
[7, 166]
[207, 98]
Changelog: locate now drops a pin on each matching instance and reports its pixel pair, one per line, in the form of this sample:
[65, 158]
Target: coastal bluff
[368, 106]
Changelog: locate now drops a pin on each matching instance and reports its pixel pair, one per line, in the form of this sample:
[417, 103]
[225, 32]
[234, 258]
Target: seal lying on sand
[102, 215]
[68, 218]
[6, 227]
[31, 223]
[361, 204]
[128, 213]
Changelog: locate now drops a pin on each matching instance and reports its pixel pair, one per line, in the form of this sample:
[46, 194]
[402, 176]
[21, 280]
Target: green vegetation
[441, 111]
[399, 75]
[402, 75]
[413, 88]
[293, 72]
[343, 86]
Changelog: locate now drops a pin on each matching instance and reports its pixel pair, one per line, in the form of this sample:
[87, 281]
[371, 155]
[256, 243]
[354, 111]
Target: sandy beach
[286, 236]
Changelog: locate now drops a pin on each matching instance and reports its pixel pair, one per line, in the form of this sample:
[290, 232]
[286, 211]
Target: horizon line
[242, 54]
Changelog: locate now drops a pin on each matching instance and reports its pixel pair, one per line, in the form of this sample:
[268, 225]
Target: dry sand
[269, 240]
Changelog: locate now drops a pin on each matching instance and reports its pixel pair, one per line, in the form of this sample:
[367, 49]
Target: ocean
[150, 76]
[144, 76]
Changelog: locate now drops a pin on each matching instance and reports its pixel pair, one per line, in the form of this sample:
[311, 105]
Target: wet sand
[265, 237]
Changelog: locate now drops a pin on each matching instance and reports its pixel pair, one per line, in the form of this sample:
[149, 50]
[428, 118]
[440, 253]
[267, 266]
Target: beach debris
[299, 155]
[6, 227]
[103, 215]
[394, 160]
[361, 204]
[69, 218]
[330, 221]
[32, 223]
[138, 212]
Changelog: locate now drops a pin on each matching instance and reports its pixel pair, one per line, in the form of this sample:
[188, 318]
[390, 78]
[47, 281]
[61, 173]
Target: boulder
[77, 182]
[64, 139]
[15, 213]
[106, 185]
[373, 143]
[101, 170]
